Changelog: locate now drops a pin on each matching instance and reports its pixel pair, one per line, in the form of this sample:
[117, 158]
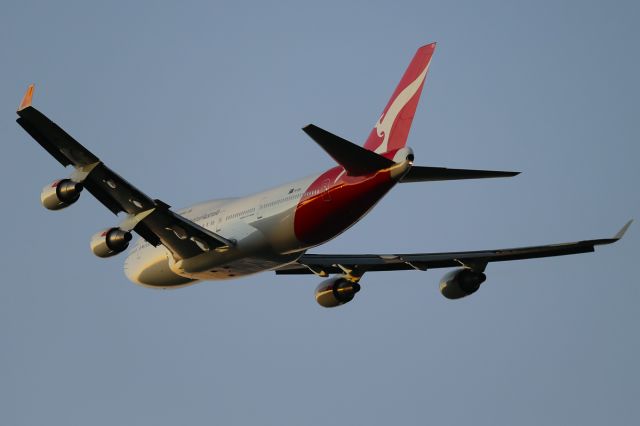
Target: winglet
[622, 230]
[26, 99]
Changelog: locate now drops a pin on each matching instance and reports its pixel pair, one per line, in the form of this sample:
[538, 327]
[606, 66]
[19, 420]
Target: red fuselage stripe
[335, 201]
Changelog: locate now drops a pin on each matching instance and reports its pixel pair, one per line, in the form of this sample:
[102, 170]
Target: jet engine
[60, 194]
[336, 291]
[110, 242]
[460, 283]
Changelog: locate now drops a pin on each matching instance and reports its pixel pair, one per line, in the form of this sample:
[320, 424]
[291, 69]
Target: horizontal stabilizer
[357, 161]
[427, 174]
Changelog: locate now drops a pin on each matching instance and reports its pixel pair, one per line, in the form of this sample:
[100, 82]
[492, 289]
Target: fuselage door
[326, 184]
[262, 206]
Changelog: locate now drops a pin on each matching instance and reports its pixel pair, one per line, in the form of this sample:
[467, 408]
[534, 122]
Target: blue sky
[201, 100]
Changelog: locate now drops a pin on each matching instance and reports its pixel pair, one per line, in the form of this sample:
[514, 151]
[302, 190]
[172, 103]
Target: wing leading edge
[325, 264]
[152, 219]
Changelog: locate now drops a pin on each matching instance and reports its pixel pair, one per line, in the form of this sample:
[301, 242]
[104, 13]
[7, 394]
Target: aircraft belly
[243, 267]
[277, 230]
[154, 267]
[252, 253]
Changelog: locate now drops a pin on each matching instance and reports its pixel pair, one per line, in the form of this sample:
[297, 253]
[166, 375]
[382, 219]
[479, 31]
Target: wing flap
[181, 236]
[115, 192]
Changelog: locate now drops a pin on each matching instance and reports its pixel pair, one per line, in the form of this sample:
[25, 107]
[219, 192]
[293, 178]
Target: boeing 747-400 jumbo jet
[272, 230]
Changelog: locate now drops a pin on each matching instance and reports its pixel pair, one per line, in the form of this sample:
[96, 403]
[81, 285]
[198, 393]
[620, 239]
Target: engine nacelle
[461, 283]
[60, 194]
[336, 291]
[110, 242]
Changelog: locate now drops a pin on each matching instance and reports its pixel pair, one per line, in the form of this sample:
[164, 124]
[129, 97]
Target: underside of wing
[152, 219]
[53, 139]
[326, 264]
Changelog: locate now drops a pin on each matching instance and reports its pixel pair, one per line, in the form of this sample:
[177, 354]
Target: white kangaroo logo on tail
[385, 123]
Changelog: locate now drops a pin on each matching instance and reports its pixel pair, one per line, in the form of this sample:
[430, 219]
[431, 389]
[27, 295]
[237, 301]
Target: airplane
[273, 230]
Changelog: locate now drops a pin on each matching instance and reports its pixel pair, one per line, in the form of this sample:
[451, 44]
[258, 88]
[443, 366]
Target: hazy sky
[201, 100]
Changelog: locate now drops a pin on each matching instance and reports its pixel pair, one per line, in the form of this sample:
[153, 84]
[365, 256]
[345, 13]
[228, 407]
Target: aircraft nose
[150, 267]
[131, 271]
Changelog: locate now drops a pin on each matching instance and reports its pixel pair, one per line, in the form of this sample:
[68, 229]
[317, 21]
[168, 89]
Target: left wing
[152, 219]
[325, 264]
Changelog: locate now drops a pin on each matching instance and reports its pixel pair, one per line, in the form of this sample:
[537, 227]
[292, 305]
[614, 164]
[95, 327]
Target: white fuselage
[261, 224]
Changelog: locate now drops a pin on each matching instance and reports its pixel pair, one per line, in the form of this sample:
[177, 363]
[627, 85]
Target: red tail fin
[392, 129]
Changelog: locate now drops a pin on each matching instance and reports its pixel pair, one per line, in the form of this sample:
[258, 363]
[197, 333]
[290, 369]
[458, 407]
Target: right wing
[152, 219]
[325, 264]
